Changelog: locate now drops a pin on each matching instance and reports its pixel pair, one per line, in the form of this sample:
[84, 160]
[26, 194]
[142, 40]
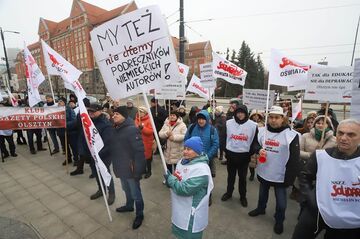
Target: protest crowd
[313, 159]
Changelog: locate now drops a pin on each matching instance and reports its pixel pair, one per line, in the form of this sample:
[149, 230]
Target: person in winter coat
[159, 114]
[307, 126]
[129, 162]
[173, 132]
[258, 117]
[241, 143]
[309, 142]
[208, 135]
[131, 109]
[220, 124]
[190, 185]
[192, 114]
[331, 115]
[8, 136]
[184, 115]
[142, 121]
[105, 130]
[278, 165]
[333, 203]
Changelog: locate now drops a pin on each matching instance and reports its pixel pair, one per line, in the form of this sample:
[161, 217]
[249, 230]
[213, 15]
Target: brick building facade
[71, 38]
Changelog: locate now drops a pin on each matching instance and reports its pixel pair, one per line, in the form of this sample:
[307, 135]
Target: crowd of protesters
[305, 156]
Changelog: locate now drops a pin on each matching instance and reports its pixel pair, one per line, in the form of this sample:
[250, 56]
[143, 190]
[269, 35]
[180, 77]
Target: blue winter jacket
[210, 142]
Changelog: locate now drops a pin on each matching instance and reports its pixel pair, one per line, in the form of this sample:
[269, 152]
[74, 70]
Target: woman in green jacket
[191, 185]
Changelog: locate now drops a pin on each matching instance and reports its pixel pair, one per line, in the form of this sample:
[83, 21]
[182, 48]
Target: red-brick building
[71, 38]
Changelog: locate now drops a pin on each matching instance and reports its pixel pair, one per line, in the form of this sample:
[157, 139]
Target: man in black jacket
[129, 162]
[335, 205]
[279, 164]
[241, 142]
[105, 129]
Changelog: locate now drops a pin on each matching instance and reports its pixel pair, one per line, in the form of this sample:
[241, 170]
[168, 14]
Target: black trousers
[237, 163]
[11, 143]
[30, 135]
[310, 224]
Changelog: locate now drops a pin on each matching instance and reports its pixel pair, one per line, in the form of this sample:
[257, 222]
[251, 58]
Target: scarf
[318, 133]
[172, 123]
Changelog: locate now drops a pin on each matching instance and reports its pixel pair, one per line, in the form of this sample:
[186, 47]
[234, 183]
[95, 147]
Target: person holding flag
[282, 153]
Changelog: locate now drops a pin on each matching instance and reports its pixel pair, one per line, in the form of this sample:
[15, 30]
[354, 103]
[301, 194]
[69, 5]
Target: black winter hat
[94, 107]
[86, 102]
[122, 110]
[63, 99]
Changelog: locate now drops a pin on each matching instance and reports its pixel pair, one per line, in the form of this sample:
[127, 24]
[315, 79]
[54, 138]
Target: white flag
[94, 142]
[196, 87]
[228, 71]
[297, 111]
[34, 77]
[287, 72]
[13, 100]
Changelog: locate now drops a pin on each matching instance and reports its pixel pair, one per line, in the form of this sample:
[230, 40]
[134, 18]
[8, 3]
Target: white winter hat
[276, 110]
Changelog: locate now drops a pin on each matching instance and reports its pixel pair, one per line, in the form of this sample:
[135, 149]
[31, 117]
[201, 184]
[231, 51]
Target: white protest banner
[206, 75]
[256, 98]
[34, 77]
[32, 117]
[196, 87]
[174, 90]
[228, 71]
[134, 52]
[333, 84]
[287, 72]
[13, 100]
[355, 99]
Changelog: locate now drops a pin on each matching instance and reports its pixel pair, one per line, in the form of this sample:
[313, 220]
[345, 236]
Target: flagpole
[51, 88]
[325, 125]
[155, 134]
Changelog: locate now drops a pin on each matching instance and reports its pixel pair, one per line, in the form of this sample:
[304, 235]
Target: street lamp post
[6, 58]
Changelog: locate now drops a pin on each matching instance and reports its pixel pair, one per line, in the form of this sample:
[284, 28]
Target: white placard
[333, 84]
[134, 52]
[175, 90]
[228, 71]
[256, 98]
[206, 75]
[355, 99]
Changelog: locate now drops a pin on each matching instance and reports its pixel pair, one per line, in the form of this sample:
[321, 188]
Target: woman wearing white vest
[282, 152]
[241, 142]
[191, 185]
[333, 204]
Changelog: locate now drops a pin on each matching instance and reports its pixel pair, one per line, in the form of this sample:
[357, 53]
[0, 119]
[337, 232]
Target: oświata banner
[287, 72]
[256, 98]
[196, 87]
[176, 89]
[32, 117]
[333, 84]
[134, 52]
[228, 71]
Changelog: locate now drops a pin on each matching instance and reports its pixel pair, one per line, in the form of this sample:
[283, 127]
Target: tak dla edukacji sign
[256, 98]
[134, 52]
[355, 99]
[333, 84]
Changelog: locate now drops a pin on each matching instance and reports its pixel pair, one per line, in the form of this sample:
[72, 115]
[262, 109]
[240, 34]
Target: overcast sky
[307, 30]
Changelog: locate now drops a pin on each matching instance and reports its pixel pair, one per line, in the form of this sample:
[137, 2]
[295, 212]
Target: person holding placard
[333, 203]
[279, 165]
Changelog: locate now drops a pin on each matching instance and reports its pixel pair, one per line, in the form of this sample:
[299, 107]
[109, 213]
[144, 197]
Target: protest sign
[176, 89]
[134, 52]
[287, 72]
[332, 84]
[355, 99]
[196, 87]
[256, 98]
[206, 75]
[228, 71]
[32, 117]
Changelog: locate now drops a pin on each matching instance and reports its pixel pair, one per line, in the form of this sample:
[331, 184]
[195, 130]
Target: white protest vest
[182, 206]
[277, 154]
[338, 190]
[239, 136]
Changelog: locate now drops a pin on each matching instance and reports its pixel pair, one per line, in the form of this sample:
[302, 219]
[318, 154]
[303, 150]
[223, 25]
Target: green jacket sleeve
[188, 187]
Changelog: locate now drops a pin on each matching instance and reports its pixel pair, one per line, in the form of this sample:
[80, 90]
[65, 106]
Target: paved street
[38, 191]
